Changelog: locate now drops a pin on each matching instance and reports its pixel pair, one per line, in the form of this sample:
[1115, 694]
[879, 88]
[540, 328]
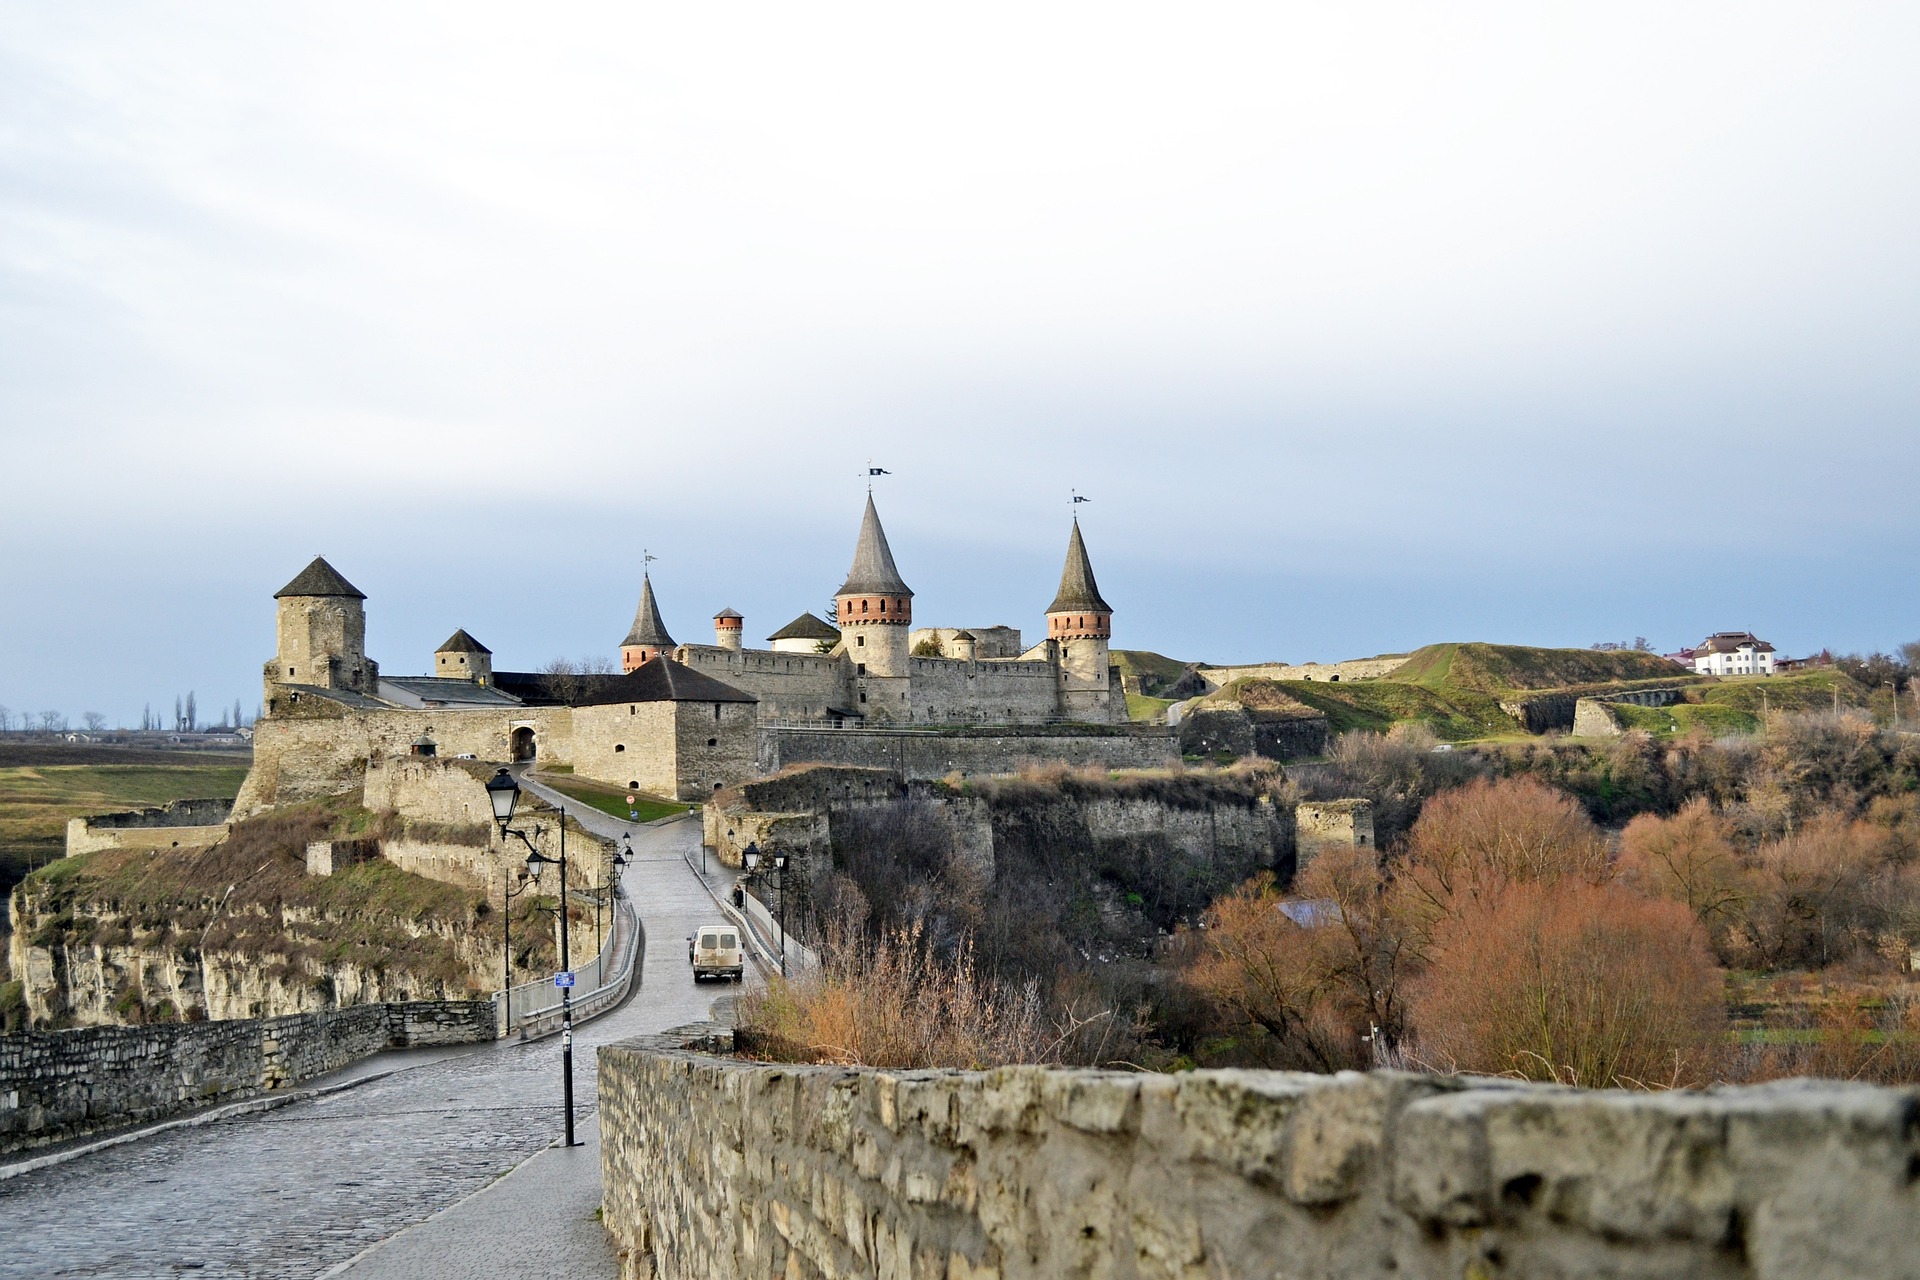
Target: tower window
[619, 746]
[860, 668]
[289, 671]
[713, 742]
[883, 606]
[716, 713]
[858, 640]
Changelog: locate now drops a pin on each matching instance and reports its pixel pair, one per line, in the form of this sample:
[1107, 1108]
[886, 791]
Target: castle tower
[726, 629]
[322, 629]
[963, 646]
[463, 658]
[875, 611]
[1080, 623]
[648, 639]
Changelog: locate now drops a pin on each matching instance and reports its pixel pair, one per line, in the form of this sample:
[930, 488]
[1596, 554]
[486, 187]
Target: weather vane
[1079, 497]
[873, 471]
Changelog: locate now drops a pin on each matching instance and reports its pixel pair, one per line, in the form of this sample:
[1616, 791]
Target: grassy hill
[1375, 705]
[1500, 668]
[36, 801]
[1736, 704]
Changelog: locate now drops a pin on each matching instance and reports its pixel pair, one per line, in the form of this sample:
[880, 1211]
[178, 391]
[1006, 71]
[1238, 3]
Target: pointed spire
[648, 630]
[1078, 591]
[873, 572]
[320, 579]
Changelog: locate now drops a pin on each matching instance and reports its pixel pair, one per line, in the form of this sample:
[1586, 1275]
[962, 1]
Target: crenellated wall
[725, 1169]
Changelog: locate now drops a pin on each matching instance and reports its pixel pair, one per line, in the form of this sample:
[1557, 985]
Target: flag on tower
[878, 471]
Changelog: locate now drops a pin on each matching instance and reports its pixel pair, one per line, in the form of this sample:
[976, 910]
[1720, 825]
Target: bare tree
[179, 718]
[6, 719]
[95, 722]
[53, 722]
[193, 716]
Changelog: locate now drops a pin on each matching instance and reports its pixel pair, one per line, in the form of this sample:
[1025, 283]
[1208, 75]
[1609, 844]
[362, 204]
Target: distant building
[1733, 653]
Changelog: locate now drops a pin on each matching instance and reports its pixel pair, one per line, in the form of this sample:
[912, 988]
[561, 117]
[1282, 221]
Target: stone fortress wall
[180, 824]
[791, 686]
[726, 1169]
[1354, 669]
[924, 754]
[64, 1084]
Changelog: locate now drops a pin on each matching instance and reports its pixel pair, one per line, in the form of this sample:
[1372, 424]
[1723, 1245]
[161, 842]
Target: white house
[1733, 653]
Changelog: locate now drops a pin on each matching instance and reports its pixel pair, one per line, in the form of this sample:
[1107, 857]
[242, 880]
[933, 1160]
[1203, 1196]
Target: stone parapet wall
[924, 755]
[719, 1168]
[56, 1085]
[1352, 669]
[183, 823]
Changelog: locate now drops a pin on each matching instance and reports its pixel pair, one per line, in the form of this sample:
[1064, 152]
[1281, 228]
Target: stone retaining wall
[922, 755]
[56, 1085]
[179, 823]
[719, 1168]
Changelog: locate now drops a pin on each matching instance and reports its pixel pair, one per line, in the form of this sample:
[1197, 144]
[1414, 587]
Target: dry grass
[893, 1003]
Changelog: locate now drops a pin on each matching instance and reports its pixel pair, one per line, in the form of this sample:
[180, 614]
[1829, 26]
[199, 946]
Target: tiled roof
[661, 680]
[461, 642]
[805, 627]
[648, 630]
[320, 579]
[1730, 641]
[1077, 587]
[436, 691]
[873, 572]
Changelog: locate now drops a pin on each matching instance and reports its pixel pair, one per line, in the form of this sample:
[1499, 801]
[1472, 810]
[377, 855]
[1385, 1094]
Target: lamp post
[752, 856]
[508, 893]
[610, 886]
[504, 793]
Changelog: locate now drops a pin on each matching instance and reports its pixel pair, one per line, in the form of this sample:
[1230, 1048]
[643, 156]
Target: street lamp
[616, 864]
[504, 794]
[508, 893]
[753, 857]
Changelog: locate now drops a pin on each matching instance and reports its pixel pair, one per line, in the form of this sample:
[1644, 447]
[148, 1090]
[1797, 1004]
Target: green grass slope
[1376, 705]
[1501, 668]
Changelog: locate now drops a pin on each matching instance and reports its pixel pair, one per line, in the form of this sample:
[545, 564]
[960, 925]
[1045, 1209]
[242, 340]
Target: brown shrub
[1689, 858]
[1475, 841]
[1273, 975]
[1584, 984]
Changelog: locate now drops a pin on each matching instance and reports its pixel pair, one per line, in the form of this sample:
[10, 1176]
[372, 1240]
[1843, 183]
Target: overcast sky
[1363, 326]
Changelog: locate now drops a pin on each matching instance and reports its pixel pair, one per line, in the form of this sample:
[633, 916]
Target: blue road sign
[562, 979]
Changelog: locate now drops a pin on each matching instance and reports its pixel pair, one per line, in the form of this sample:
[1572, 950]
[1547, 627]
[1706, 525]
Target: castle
[681, 720]
[875, 669]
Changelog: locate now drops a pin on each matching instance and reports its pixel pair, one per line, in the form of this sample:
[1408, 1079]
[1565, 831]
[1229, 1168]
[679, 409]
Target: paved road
[298, 1191]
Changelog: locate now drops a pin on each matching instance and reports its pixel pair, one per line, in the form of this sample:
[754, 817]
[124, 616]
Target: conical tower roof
[648, 630]
[873, 573]
[320, 579]
[461, 642]
[1078, 591]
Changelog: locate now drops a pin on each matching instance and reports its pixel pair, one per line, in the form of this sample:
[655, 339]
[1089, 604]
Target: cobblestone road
[296, 1191]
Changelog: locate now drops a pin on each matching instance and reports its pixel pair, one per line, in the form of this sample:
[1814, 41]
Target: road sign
[632, 799]
[562, 979]
[633, 815]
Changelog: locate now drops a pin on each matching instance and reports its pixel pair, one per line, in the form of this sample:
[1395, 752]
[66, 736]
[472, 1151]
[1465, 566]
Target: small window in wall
[716, 786]
[716, 713]
[863, 697]
[289, 671]
[860, 668]
[858, 640]
[619, 746]
[634, 786]
[713, 742]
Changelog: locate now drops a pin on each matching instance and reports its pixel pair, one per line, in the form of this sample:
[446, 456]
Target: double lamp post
[504, 794]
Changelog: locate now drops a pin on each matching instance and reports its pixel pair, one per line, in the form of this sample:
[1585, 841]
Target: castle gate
[523, 744]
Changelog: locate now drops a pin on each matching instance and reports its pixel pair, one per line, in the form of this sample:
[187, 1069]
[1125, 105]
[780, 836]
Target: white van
[715, 952]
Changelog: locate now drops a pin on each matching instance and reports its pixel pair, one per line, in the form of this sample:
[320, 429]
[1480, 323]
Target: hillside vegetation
[37, 800]
[1500, 668]
[1373, 705]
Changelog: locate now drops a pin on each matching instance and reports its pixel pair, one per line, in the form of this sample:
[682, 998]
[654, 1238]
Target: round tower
[726, 629]
[648, 638]
[321, 623]
[1080, 623]
[875, 611]
[963, 646]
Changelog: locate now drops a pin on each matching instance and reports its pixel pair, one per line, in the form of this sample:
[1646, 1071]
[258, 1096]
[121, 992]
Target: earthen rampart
[1353, 669]
[724, 1169]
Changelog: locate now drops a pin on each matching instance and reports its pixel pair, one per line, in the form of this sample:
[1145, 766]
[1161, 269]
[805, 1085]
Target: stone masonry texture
[715, 1167]
[62, 1084]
